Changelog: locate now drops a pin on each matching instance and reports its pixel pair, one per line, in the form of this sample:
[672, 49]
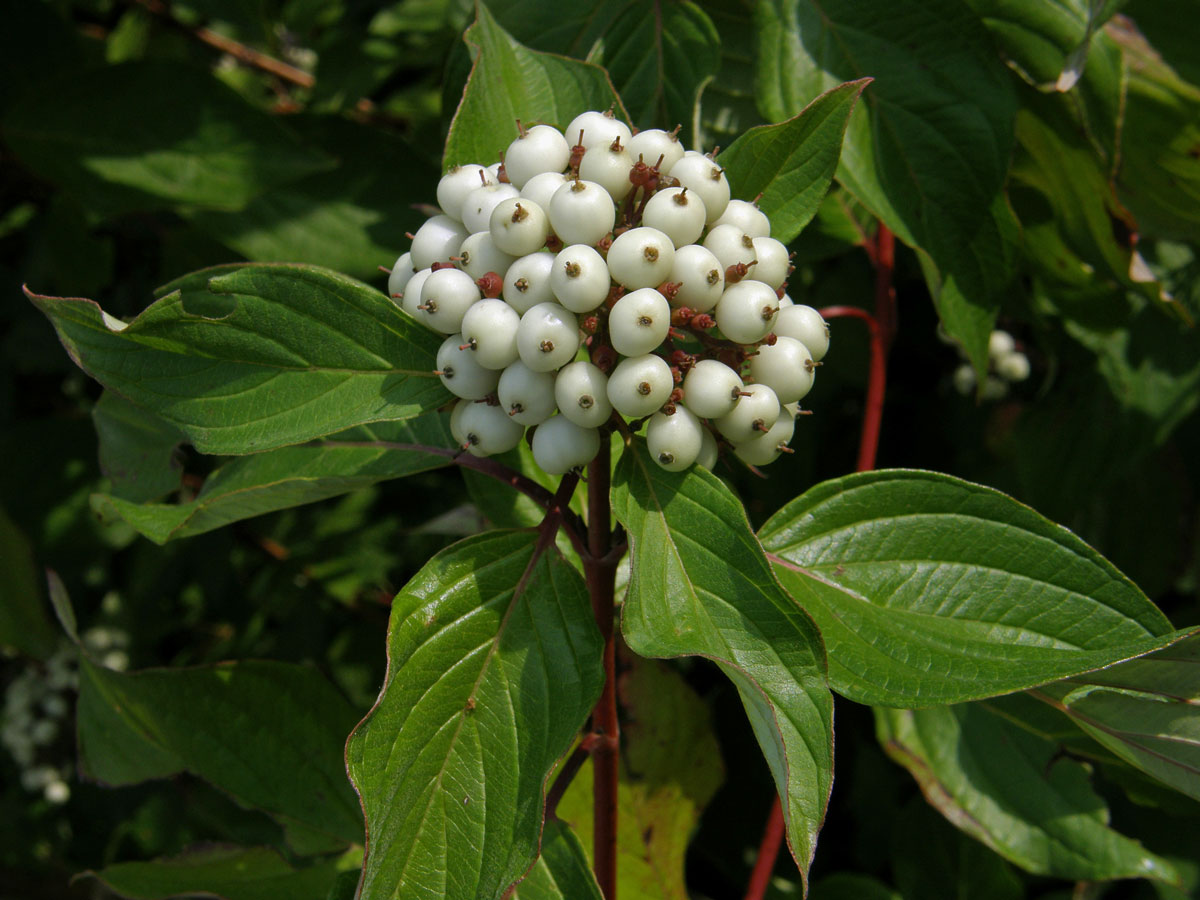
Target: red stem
[882, 327]
[600, 569]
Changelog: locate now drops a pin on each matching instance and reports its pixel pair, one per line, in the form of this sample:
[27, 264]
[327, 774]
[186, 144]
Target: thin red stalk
[882, 327]
[600, 569]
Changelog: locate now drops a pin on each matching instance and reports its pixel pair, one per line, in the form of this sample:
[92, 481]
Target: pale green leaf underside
[245, 359]
[931, 590]
[701, 586]
[494, 662]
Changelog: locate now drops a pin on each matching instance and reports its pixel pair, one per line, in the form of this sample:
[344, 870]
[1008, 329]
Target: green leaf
[562, 871]
[245, 359]
[494, 662]
[508, 82]
[726, 108]
[148, 135]
[1146, 711]
[226, 871]
[351, 219]
[927, 151]
[268, 733]
[792, 164]
[290, 476]
[928, 590]
[670, 769]
[1006, 787]
[701, 586]
[24, 625]
[137, 449]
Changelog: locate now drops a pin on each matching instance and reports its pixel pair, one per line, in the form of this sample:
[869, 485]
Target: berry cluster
[613, 280]
[1006, 365]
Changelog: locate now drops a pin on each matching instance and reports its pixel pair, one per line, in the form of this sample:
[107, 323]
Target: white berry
[479, 255]
[536, 151]
[639, 385]
[599, 129]
[548, 337]
[436, 241]
[711, 389]
[753, 414]
[805, 325]
[401, 272]
[579, 278]
[706, 179]
[700, 277]
[641, 257]
[461, 373]
[559, 445]
[490, 328]
[747, 217]
[477, 208]
[519, 226]
[677, 214]
[527, 396]
[527, 282]
[674, 441]
[452, 190]
[746, 312]
[639, 322]
[581, 212]
[488, 429]
[581, 394]
[786, 367]
[445, 298]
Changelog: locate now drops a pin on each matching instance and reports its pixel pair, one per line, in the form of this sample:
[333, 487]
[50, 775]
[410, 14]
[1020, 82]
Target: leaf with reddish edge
[250, 358]
[561, 871]
[701, 586]
[494, 662]
[509, 81]
[792, 164]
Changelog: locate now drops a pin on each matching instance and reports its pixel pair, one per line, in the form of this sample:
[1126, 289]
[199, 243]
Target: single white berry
[654, 143]
[730, 245]
[540, 188]
[581, 394]
[548, 337]
[964, 379]
[1013, 366]
[708, 450]
[410, 297]
[805, 325]
[753, 414]
[674, 441]
[765, 448]
[640, 385]
[477, 208]
[490, 328]
[452, 190]
[401, 272]
[747, 217]
[772, 263]
[599, 129]
[519, 226]
[1000, 343]
[677, 214]
[641, 257]
[706, 179]
[479, 255]
[639, 322]
[536, 150]
[581, 212]
[461, 373]
[436, 241]
[559, 445]
[445, 298]
[786, 367]
[700, 277]
[488, 429]
[579, 278]
[608, 165]
[746, 312]
[711, 389]
[527, 396]
[527, 282]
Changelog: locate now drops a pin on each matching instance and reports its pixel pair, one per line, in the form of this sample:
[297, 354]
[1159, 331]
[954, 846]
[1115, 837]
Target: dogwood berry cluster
[609, 280]
[1006, 365]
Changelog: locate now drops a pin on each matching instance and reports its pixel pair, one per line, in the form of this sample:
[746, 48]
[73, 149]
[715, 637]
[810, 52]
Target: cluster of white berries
[1006, 365]
[36, 710]
[615, 274]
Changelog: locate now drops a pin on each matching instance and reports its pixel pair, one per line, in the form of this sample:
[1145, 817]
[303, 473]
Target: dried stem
[881, 250]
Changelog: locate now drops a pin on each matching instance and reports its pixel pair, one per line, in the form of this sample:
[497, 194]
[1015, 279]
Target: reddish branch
[881, 250]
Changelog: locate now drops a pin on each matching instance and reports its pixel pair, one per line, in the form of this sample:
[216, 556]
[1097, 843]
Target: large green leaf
[351, 219]
[268, 733]
[702, 587]
[727, 105]
[508, 82]
[929, 590]
[265, 482]
[927, 151]
[153, 134]
[244, 359]
[494, 662]
[1004, 786]
[137, 449]
[670, 768]
[561, 871]
[792, 164]
[228, 872]
[1146, 711]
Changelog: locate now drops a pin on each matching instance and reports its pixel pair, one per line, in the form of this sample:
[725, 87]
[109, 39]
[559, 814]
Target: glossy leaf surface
[930, 590]
[244, 359]
[702, 587]
[562, 871]
[494, 662]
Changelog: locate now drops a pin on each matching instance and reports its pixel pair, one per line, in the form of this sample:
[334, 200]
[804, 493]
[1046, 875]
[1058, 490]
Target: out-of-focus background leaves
[140, 141]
